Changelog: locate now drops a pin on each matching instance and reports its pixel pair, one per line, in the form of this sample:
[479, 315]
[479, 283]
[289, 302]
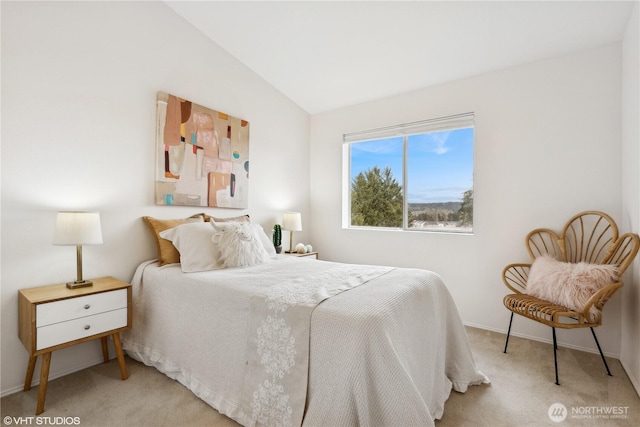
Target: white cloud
[440, 142]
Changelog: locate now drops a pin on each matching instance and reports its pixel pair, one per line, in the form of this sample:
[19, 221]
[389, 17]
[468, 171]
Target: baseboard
[547, 341]
[53, 376]
[633, 380]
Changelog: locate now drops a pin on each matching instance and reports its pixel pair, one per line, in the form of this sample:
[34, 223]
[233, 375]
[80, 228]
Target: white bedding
[385, 353]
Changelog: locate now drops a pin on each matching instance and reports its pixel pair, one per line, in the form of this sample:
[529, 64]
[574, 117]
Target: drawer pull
[87, 307]
[86, 327]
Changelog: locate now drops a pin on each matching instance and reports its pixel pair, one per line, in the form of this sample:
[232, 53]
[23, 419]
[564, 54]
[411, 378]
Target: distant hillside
[438, 212]
[445, 206]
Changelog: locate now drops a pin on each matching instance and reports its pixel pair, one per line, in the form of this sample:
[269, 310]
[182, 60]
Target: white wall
[547, 146]
[631, 192]
[79, 83]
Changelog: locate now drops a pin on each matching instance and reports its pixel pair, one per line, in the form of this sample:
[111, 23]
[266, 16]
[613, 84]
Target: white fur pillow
[568, 284]
[238, 244]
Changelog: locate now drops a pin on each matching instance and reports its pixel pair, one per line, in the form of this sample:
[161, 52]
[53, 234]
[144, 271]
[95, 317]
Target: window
[415, 176]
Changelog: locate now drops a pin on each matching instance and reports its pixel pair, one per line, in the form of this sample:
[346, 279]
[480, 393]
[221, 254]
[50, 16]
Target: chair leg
[555, 356]
[600, 350]
[508, 333]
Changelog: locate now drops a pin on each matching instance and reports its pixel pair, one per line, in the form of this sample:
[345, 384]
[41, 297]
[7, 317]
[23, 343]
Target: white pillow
[568, 284]
[266, 241]
[193, 242]
[238, 244]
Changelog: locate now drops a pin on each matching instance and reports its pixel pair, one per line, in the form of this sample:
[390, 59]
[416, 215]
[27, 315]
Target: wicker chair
[589, 236]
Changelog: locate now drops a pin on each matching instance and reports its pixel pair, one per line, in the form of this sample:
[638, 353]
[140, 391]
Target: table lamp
[77, 229]
[291, 221]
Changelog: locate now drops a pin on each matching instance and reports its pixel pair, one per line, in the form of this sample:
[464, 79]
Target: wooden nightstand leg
[30, 369]
[118, 345]
[105, 349]
[44, 379]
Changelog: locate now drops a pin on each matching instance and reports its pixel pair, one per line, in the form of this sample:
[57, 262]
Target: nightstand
[54, 317]
[315, 254]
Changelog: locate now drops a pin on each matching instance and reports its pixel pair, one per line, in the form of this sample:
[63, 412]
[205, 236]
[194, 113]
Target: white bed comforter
[385, 353]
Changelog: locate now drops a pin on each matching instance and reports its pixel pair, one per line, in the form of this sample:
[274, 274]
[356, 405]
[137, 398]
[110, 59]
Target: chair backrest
[589, 236]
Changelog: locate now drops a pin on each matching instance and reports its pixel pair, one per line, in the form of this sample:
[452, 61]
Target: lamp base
[81, 284]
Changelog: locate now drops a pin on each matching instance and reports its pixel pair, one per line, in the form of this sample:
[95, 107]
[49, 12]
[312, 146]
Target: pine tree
[376, 199]
[466, 210]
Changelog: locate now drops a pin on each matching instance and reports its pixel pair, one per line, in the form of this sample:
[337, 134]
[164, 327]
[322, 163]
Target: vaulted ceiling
[326, 55]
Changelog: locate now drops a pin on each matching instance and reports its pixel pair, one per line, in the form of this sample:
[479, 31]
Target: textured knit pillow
[167, 253]
[568, 284]
[238, 244]
[239, 218]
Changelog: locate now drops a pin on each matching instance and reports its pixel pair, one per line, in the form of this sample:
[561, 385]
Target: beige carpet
[521, 393]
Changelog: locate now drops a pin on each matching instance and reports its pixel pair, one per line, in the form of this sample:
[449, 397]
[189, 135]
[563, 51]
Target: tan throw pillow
[167, 253]
[568, 284]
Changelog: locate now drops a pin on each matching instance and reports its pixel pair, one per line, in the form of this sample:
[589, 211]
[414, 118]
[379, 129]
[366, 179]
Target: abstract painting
[202, 156]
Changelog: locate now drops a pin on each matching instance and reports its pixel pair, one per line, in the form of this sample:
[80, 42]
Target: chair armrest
[515, 277]
[599, 299]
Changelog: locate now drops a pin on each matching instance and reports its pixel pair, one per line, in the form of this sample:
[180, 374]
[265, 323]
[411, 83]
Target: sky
[440, 165]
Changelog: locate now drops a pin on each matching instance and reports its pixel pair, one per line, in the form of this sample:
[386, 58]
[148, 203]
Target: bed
[298, 341]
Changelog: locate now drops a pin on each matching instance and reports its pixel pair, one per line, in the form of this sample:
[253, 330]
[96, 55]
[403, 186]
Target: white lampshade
[77, 228]
[292, 221]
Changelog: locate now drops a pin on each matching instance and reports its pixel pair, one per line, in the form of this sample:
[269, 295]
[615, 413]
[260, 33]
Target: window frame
[454, 122]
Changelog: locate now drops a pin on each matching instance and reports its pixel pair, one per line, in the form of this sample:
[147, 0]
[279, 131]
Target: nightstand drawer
[74, 308]
[63, 332]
